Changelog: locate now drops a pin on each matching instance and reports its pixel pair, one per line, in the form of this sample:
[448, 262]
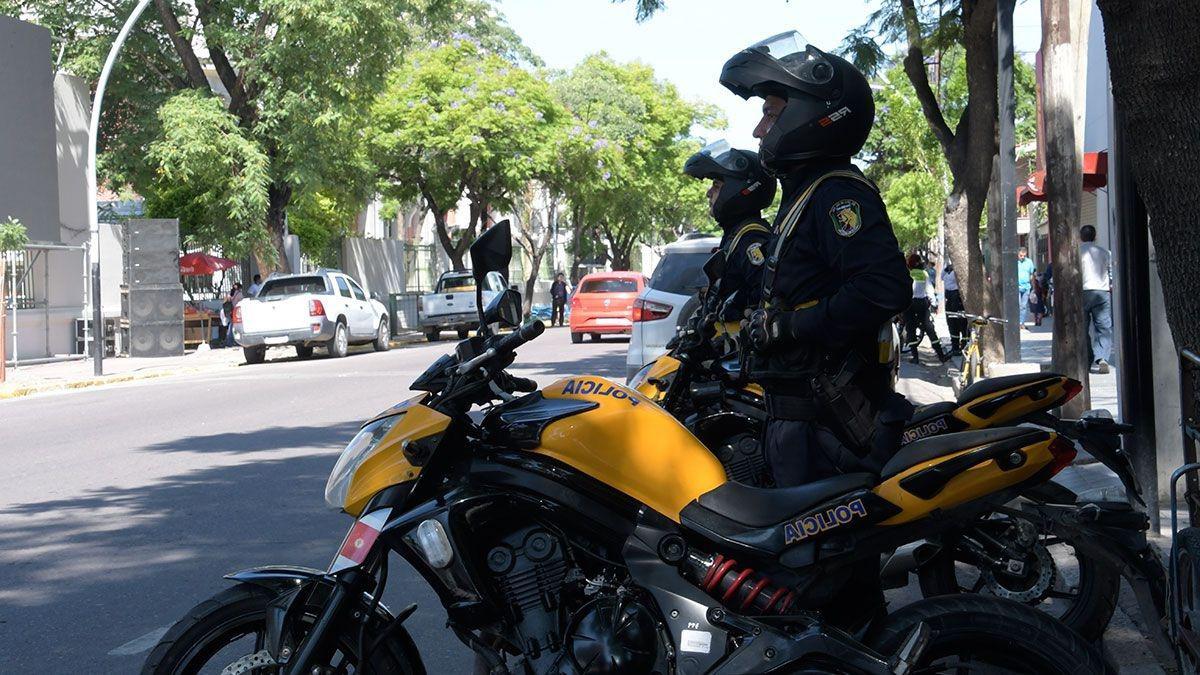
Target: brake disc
[259, 659]
[1031, 585]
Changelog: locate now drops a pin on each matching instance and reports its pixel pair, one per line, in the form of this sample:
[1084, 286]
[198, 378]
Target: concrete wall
[377, 264]
[58, 300]
[72, 108]
[1165, 358]
[28, 174]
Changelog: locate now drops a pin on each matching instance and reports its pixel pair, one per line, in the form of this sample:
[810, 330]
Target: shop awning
[1095, 175]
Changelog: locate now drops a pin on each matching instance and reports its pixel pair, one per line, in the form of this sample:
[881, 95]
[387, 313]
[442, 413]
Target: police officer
[740, 190]
[834, 276]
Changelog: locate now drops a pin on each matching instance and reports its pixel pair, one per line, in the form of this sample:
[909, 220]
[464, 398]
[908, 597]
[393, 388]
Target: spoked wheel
[1009, 558]
[976, 634]
[226, 634]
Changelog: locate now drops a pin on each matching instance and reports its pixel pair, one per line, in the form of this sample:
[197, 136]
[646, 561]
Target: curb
[19, 392]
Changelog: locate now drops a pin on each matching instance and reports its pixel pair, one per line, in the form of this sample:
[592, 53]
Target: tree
[1154, 63]
[637, 127]
[458, 121]
[968, 146]
[295, 74]
[210, 176]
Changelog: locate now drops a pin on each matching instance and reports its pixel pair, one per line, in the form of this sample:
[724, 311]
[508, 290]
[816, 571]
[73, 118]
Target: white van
[669, 299]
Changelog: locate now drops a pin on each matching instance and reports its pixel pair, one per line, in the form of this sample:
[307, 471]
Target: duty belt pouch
[847, 409]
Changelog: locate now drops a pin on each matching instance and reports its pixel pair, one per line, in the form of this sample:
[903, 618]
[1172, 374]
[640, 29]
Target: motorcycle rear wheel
[203, 640]
[1088, 610]
[971, 633]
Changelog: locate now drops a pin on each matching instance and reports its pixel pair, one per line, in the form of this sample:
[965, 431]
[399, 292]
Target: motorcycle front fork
[319, 642]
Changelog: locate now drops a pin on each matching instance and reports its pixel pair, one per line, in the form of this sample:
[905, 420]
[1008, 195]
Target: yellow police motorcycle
[582, 529]
[1023, 553]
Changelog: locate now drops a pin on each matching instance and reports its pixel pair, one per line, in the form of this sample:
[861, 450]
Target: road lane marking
[140, 644]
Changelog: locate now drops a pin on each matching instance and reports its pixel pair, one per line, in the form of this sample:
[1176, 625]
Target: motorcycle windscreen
[631, 445]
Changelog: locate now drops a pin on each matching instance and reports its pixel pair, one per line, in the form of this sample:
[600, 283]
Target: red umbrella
[199, 264]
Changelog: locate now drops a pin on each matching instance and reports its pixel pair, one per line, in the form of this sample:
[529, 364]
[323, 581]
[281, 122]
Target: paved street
[124, 505]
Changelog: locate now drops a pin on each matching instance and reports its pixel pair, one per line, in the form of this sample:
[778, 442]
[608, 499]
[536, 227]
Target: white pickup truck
[451, 305]
[325, 308]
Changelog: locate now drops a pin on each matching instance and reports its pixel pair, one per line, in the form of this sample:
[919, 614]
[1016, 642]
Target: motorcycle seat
[933, 447]
[991, 385]
[927, 412]
[762, 507]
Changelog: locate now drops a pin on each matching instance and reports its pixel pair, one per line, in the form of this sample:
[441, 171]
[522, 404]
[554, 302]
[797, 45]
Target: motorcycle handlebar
[523, 384]
[525, 333]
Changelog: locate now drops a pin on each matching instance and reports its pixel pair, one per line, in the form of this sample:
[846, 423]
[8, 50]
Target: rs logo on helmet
[803, 528]
[833, 117]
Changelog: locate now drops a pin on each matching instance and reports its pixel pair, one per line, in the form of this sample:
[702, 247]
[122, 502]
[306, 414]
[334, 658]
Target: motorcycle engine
[567, 624]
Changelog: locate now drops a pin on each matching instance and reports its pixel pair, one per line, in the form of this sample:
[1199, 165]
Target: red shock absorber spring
[740, 589]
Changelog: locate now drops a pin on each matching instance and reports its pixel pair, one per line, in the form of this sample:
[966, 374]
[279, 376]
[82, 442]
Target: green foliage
[914, 202]
[320, 222]
[12, 235]
[457, 120]
[636, 127]
[209, 175]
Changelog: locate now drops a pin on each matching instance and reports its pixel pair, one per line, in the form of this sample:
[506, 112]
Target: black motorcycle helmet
[747, 188]
[829, 110]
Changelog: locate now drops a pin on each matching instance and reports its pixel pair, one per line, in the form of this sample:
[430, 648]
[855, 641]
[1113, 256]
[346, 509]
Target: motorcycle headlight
[357, 452]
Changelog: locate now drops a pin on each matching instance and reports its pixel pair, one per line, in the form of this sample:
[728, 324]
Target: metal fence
[18, 282]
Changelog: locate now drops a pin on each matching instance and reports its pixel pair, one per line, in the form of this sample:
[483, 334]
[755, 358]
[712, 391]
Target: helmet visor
[797, 56]
[723, 155]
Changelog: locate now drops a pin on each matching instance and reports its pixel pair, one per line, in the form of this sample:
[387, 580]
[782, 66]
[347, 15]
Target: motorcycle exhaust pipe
[908, 558]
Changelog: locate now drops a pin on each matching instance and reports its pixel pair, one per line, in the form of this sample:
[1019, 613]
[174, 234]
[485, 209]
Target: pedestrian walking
[917, 315]
[559, 290]
[931, 275]
[954, 303]
[1037, 299]
[1025, 271]
[1095, 263]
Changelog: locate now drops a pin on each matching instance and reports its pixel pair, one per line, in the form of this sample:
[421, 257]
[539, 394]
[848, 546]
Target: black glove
[762, 329]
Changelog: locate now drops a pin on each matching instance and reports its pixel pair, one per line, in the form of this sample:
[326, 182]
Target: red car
[603, 303]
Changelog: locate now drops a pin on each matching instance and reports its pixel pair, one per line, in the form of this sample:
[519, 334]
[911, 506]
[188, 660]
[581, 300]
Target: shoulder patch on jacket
[755, 254]
[846, 215]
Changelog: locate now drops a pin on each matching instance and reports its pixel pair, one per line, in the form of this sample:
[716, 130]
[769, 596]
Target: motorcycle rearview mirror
[490, 252]
[714, 267]
[505, 309]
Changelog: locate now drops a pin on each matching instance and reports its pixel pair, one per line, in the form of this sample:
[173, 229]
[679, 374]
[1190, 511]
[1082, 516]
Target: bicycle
[971, 368]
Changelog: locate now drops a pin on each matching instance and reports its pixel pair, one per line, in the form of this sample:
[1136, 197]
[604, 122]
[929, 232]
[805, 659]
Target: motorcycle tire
[973, 631]
[1088, 614]
[241, 611]
[1187, 571]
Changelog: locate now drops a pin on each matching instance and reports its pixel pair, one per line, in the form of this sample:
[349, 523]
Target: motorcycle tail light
[1073, 388]
[1063, 452]
[648, 310]
[359, 541]
[315, 308]
[434, 544]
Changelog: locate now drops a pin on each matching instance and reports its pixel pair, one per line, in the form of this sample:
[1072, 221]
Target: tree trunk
[278, 197]
[452, 249]
[1154, 61]
[1064, 183]
[993, 288]
[576, 241]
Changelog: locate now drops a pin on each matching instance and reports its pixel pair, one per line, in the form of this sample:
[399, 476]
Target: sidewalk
[79, 373]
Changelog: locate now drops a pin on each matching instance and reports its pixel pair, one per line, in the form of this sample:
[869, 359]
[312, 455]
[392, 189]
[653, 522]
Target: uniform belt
[792, 407]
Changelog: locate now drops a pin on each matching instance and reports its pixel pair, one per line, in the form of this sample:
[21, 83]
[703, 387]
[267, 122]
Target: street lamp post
[93, 216]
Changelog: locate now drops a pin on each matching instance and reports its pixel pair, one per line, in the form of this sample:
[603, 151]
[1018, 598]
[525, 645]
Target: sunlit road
[122, 507]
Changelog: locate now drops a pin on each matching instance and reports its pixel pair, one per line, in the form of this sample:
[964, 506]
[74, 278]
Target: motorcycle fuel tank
[629, 444]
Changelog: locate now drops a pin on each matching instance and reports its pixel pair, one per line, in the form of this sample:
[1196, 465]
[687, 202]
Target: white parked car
[325, 308]
[451, 305]
[669, 300]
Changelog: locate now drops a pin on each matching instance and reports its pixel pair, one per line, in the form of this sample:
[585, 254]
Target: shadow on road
[129, 560]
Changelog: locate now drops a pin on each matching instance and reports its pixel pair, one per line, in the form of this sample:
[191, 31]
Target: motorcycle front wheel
[226, 633]
[975, 634]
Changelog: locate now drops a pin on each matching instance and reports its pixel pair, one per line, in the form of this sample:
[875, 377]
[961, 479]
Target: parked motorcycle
[1022, 553]
[582, 529]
